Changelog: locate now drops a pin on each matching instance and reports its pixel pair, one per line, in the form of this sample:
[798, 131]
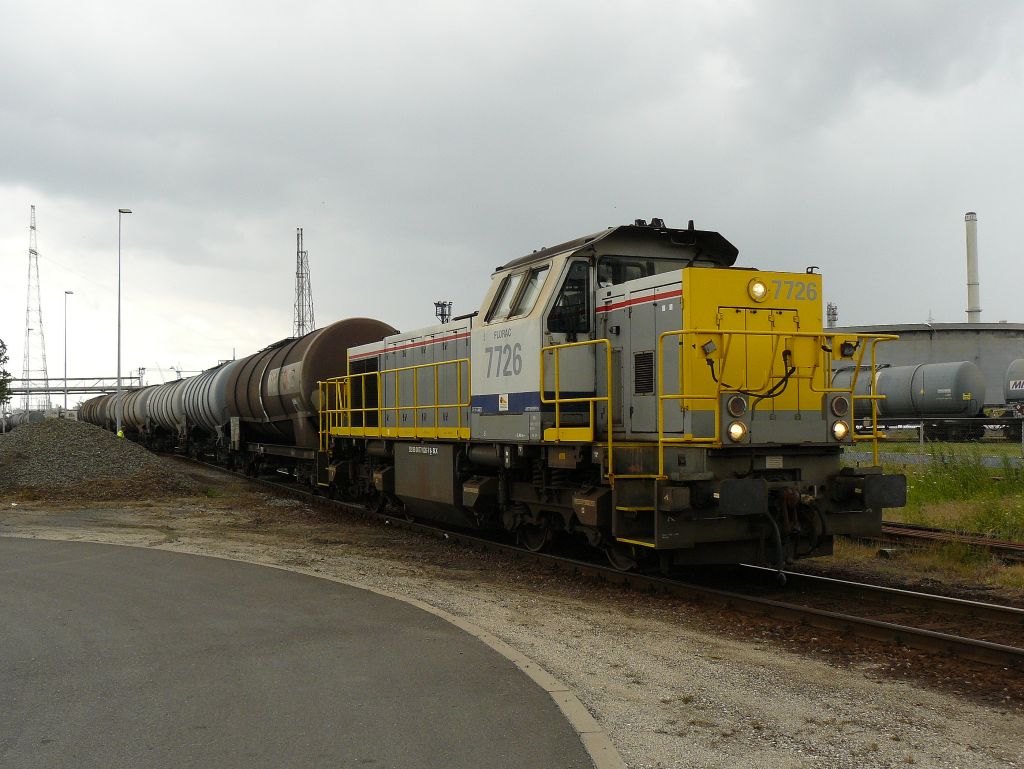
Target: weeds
[955, 490]
[947, 564]
[1003, 518]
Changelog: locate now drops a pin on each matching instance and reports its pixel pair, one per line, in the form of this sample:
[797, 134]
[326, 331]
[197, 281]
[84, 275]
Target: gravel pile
[65, 459]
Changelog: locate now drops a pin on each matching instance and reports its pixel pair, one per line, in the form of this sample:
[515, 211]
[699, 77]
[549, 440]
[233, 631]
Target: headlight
[758, 290]
[840, 406]
[736, 406]
[840, 430]
[737, 432]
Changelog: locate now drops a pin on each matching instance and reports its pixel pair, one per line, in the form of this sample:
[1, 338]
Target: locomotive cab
[543, 302]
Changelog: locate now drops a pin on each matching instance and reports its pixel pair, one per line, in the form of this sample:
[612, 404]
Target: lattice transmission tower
[33, 366]
[303, 322]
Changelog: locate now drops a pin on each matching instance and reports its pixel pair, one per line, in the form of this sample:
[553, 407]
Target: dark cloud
[420, 145]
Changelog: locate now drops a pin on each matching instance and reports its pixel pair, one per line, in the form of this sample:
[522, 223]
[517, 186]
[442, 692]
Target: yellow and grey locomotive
[632, 388]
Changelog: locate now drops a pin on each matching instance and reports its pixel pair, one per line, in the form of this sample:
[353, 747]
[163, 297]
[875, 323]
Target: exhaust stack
[973, 286]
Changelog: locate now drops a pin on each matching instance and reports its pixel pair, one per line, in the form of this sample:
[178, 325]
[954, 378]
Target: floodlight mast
[66, 295]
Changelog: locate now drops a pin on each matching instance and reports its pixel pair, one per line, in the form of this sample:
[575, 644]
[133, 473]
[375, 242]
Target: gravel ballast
[66, 459]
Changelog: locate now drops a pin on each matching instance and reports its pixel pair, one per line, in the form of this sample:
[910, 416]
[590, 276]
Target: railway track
[920, 636]
[906, 533]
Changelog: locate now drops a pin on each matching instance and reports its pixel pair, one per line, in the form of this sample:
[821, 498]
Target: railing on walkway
[811, 344]
[353, 405]
[344, 416]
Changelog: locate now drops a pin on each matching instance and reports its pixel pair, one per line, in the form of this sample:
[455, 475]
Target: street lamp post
[66, 295]
[28, 374]
[119, 409]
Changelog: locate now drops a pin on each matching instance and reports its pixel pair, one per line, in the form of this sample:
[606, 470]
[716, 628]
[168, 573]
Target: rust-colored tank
[274, 392]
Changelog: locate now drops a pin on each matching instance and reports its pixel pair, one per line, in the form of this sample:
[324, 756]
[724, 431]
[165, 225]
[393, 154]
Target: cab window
[531, 290]
[571, 313]
[502, 304]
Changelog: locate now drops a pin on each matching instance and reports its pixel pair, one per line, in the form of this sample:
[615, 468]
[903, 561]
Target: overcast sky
[419, 145]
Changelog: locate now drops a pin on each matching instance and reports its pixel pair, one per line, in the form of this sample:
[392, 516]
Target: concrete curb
[594, 739]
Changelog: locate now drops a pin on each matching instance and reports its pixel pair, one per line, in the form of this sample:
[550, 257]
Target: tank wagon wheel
[621, 557]
[533, 537]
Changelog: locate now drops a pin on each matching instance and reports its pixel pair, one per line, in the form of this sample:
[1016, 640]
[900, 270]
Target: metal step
[634, 516]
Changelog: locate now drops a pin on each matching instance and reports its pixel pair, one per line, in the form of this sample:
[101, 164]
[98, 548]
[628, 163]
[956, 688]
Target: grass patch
[905, 444]
[955, 490]
[948, 564]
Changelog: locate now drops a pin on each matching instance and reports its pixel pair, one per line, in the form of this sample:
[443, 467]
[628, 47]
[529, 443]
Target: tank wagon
[256, 412]
[948, 398]
[991, 346]
[1013, 393]
[32, 416]
[22, 417]
[632, 388]
[1013, 383]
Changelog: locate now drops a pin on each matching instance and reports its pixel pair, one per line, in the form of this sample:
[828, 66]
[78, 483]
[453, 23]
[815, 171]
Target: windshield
[503, 300]
[528, 296]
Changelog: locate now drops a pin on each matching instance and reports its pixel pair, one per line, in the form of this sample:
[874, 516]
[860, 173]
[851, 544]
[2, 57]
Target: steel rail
[918, 638]
[907, 598]
[932, 641]
[905, 532]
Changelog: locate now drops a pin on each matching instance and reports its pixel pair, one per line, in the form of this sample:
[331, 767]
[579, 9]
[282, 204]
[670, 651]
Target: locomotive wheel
[534, 538]
[620, 557]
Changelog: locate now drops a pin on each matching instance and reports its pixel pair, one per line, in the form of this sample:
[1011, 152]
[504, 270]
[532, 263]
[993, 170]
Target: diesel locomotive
[632, 389]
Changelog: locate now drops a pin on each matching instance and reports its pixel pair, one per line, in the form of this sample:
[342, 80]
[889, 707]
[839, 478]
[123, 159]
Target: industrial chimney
[973, 287]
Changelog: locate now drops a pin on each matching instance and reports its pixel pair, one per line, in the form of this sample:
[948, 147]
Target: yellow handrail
[823, 365]
[872, 396]
[557, 434]
[340, 420]
[338, 416]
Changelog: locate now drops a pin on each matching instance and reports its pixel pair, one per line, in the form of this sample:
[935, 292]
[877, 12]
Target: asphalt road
[126, 657]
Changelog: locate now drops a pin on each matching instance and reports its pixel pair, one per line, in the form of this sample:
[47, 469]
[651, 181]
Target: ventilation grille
[643, 373]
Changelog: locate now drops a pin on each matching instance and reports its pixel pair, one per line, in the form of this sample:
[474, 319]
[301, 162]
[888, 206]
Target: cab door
[570, 320]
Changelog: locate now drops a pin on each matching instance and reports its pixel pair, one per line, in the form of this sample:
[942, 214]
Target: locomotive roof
[694, 244]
